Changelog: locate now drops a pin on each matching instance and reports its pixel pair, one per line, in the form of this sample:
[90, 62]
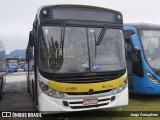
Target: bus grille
[90, 106]
[79, 103]
[91, 79]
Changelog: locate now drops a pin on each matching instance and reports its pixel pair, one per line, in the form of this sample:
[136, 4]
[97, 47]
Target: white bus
[79, 59]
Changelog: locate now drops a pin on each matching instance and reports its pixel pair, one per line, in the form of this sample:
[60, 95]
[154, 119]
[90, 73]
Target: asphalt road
[15, 96]
[17, 99]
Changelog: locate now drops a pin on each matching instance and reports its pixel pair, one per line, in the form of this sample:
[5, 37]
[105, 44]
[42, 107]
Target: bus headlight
[44, 87]
[152, 78]
[60, 95]
[49, 91]
[120, 88]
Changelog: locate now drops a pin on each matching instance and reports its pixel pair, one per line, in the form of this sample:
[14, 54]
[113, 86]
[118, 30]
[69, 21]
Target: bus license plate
[90, 101]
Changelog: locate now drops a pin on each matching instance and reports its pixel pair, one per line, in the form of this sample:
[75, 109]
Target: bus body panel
[54, 105]
[142, 85]
[50, 105]
[47, 103]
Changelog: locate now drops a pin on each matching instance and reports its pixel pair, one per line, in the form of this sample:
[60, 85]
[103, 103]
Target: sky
[17, 16]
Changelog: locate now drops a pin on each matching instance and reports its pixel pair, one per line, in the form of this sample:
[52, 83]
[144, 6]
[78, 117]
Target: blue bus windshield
[151, 46]
[12, 65]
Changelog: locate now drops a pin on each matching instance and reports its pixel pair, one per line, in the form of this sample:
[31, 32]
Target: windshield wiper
[101, 35]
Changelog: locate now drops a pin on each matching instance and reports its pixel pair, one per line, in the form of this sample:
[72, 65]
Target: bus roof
[144, 26]
[74, 5]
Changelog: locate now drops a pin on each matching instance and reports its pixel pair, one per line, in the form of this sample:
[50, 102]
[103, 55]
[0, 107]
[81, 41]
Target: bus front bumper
[50, 105]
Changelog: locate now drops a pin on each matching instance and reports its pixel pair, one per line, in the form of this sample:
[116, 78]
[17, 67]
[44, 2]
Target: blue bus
[143, 58]
[12, 65]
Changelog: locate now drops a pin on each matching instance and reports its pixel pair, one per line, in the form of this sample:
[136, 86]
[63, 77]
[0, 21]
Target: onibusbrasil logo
[23, 114]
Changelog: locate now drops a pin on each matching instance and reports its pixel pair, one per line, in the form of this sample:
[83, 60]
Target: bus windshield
[151, 45]
[78, 52]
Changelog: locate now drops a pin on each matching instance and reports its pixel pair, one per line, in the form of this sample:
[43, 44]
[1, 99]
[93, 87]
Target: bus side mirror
[28, 54]
[31, 39]
[136, 55]
[128, 34]
[137, 68]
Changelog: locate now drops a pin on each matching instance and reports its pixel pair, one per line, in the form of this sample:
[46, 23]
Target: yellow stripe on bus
[70, 87]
